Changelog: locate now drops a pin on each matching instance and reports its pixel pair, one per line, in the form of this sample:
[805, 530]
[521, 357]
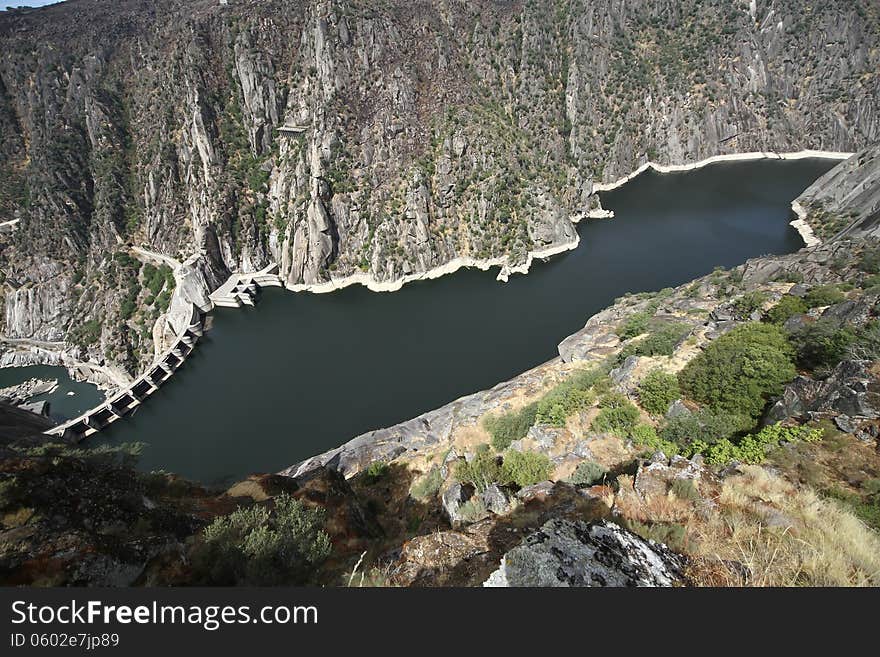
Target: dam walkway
[124, 402]
[239, 290]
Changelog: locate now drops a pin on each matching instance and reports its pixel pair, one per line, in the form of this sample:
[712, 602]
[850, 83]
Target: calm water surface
[70, 398]
[302, 373]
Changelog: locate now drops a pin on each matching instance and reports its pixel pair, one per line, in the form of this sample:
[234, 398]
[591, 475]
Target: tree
[740, 371]
[258, 547]
[657, 391]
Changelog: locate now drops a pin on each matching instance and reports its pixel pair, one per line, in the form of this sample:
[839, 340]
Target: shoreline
[450, 267]
[802, 226]
[110, 381]
[105, 379]
[368, 281]
[715, 159]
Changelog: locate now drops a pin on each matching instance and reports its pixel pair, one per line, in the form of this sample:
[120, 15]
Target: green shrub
[703, 427]
[256, 547]
[822, 344]
[472, 510]
[754, 447]
[685, 489]
[824, 295]
[790, 276]
[507, 427]
[482, 470]
[866, 509]
[749, 302]
[866, 345]
[741, 370]
[587, 473]
[427, 485]
[661, 341]
[657, 391]
[645, 436]
[569, 397]
[634, 325]
[617, 416]
[525, 468]
[788, 306]
[869, 261]
[375, 472]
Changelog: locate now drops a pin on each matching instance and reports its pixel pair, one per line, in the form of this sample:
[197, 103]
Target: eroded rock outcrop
[565, 553]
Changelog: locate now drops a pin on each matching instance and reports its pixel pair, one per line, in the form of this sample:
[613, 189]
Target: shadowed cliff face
[423, 131]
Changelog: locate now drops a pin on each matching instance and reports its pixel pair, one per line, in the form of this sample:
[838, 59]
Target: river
[302, 373]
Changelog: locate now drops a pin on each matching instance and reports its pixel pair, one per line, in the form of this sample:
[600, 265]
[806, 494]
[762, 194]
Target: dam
[295, 374]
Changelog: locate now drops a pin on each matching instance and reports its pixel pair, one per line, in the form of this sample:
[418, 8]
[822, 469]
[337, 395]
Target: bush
[754, 447]
[822, 344]
[824, 295]
[587, 473]
[507, 427]
[701, 428]
[740, 371]
[482, 470]
[869, 261]
[427, 485]
[256, 547]
[634, 325]
[749, 302]
[685, 489]
[525, 468]
[568, 397]
[866, 345]
[788, 306]
[657, 391]
[617, 416]
[660, 342]
[375, 472]
[644, 435]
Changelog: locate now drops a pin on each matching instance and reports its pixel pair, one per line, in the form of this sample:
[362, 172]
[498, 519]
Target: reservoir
[68, 400]
[302, 373]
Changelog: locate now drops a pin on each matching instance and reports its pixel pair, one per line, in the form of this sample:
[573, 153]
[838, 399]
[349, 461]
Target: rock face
[850, 390]
[565, 553]
[851, 190]
[342, 139]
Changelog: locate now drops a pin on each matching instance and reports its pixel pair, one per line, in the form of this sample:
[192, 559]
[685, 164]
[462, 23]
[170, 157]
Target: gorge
[302, 373]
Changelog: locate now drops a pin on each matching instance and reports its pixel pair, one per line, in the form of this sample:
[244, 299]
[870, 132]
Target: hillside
[415, 133]
[721, 433]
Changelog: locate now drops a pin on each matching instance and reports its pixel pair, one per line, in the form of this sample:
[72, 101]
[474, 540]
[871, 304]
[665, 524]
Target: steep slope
[417, 133]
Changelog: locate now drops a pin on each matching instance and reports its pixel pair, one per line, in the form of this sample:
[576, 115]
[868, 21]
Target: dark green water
[62, 404]
[302, 373]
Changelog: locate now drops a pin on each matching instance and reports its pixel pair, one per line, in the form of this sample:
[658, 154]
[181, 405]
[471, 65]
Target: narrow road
[154, 258]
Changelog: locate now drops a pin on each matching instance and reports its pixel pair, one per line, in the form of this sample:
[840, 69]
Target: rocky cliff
[342, 137]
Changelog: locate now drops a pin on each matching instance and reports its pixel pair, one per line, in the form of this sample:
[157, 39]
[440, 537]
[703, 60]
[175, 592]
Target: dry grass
[784, 536]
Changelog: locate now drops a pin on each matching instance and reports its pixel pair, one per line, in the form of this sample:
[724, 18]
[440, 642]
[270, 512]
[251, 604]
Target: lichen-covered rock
[495, 499]
[851, 389]
[453, 498]
[565, 553]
